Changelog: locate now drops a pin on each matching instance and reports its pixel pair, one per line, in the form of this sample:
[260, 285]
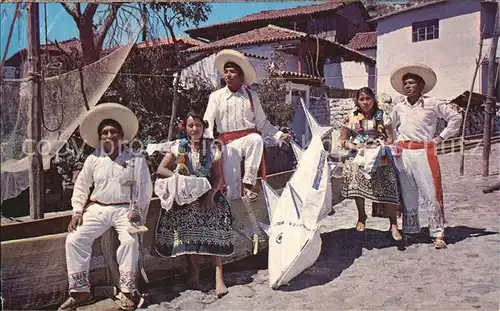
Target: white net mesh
[65, 101]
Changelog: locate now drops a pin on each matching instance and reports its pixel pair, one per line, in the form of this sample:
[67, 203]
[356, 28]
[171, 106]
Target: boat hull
[34, 265]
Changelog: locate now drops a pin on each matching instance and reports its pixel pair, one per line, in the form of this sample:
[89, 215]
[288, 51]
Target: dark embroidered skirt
[380, 187]
[192, 229]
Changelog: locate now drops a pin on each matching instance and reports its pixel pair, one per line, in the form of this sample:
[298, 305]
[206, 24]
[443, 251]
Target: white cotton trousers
[416, 177]
[96, 220]
[250, 147]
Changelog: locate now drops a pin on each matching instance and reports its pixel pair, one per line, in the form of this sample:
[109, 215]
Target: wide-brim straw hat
[226, 56]
[93, 118]
[427, 74]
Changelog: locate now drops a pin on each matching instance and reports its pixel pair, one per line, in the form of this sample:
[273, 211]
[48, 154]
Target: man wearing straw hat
[236, 111]
[121, 195]
[415, 120]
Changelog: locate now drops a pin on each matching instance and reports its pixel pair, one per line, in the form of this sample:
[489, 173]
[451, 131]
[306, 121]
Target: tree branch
[90, 10]
[107, 24]
[72, 11]
[71, 59]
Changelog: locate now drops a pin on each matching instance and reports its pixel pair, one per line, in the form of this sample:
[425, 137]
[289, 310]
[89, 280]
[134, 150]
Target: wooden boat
[34, 264]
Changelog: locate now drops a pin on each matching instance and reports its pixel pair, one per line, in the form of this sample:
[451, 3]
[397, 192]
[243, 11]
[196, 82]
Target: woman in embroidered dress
[203, 227]
[366, 127]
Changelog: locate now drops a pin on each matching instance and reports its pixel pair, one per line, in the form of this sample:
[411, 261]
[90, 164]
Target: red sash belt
[228, 137]
[430, 150]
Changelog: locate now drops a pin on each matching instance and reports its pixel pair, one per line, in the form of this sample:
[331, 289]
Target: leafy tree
[273, 91]
[179, 14]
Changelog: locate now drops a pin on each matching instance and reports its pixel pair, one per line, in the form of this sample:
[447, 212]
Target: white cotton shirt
[109, 178]
[232, 112]
[418, 122]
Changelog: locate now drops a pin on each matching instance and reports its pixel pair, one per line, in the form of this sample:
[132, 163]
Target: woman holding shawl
[203, 226]
[365, 128]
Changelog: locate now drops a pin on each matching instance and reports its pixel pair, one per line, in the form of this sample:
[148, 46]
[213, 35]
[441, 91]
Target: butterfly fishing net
[66, 98]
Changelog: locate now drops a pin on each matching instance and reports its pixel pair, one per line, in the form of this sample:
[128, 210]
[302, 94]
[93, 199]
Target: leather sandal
[71, 303]
[125, 303]
[249, 195]
[439, 243]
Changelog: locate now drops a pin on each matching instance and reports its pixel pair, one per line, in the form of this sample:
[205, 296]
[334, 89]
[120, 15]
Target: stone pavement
[368, 271]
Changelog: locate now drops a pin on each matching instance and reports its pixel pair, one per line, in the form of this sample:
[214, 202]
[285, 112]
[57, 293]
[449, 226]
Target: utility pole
[34, 114]
[490, 97]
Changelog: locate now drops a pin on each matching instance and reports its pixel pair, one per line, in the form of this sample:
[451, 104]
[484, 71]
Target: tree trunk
[90, 53]
[175, 101]
[490, 98]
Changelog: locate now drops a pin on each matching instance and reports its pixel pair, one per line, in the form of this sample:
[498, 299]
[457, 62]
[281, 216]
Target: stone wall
[330, 111]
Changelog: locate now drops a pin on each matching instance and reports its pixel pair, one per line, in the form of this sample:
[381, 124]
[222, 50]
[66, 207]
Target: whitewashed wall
[350, 75]
[206, 68]
[452, 56]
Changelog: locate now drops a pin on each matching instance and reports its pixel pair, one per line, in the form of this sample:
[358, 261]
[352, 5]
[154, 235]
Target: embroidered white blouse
[233, 112]
[418, 122]
[110, 181]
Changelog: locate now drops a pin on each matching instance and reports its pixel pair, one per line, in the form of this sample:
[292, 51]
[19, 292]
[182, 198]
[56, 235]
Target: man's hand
[437, 140]
[76, 221]
[207, 200]
[286, 137]
[134, 216]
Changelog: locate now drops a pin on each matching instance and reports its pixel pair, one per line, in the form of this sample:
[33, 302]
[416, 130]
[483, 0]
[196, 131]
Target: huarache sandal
[125, 302]
[439, 243]
[71, 303]
[250, 196]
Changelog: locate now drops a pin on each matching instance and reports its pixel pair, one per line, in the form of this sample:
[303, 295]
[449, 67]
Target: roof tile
[277, 14]
[267, 34]
[363, 41]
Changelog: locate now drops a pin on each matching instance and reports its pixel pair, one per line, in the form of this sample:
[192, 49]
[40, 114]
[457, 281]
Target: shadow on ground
[342, 247]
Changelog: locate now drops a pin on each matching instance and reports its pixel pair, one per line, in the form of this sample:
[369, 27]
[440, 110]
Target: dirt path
[368, 271]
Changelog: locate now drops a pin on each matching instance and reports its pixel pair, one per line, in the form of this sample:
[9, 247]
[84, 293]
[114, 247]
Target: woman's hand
[207, 200]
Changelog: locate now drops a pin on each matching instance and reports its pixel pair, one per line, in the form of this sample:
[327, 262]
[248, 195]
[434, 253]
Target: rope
[59, 126]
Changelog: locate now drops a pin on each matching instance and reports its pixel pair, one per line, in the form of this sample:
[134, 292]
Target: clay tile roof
[168, 41]
[424, 4]
[267, 34]
[283, 13]
[363, 40]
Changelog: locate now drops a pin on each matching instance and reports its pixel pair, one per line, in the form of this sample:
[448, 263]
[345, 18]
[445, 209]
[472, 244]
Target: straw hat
[121, 114]
[423, 71]
[239, 59]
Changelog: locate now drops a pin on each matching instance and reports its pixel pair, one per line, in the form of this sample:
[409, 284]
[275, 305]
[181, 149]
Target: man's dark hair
[414, 77]
[107, 122]
[234, 66]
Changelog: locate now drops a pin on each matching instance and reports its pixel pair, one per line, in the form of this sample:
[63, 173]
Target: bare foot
[220, 289]
[360, 226]
[395, 233]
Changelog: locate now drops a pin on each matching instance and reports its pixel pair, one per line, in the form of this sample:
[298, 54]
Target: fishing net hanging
[65, 101]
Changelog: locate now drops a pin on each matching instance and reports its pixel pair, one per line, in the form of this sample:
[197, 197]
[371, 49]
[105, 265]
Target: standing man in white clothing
[122, 192]
[236, 111]
[415, 121]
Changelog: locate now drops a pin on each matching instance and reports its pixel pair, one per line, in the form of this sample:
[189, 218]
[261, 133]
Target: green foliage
[273, 91]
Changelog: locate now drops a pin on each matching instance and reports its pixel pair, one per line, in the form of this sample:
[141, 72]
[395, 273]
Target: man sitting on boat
[236, 111]
[122, 193]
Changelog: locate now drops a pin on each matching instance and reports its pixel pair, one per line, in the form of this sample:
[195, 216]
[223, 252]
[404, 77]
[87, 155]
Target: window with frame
[426, 30]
